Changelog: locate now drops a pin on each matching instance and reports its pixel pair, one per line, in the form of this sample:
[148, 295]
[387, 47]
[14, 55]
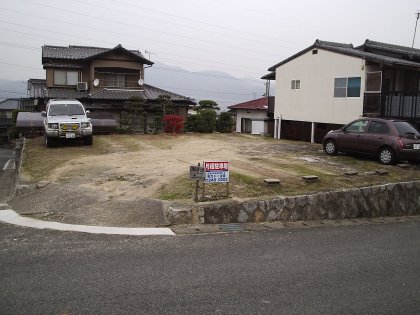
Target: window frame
[346, 88]
[116, 80]
[295, 85]
[367, 81]
[66, 77]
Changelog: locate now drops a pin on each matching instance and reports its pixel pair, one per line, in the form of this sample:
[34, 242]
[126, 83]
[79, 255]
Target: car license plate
[416, 146]
[70, 135]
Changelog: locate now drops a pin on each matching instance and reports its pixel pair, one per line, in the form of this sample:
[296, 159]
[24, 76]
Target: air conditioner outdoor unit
[82, 86]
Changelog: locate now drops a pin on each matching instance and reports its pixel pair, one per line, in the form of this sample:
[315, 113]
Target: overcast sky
[239, 37]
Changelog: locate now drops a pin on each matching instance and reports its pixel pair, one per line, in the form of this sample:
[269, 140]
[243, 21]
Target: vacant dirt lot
[121, 171]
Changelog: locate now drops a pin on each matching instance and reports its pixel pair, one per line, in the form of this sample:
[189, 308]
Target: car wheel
[330, 147]
[88, 140]
[386, 156]
[50, 142]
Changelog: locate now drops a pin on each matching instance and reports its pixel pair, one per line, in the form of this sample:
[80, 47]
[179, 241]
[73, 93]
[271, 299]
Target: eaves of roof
[86, 53]
[269, 76]
[258, 104]
[38, 89]
[119, 48]
[408, 52]
[63, 65]
[349, 50]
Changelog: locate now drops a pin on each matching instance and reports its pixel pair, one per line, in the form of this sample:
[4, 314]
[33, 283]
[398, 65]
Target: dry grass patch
[133, 166]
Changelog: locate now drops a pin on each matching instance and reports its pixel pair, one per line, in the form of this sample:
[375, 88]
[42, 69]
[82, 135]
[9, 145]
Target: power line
[19, 66]
[117, 33]
[224, 28]
[78, 13]
[171, 22]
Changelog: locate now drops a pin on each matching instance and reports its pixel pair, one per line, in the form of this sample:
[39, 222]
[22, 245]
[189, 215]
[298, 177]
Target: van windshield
[66, 109]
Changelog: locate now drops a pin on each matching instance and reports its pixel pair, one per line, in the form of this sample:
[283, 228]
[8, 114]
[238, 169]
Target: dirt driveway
[124, 176]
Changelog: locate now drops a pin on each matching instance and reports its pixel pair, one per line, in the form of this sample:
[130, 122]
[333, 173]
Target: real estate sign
[216, 172]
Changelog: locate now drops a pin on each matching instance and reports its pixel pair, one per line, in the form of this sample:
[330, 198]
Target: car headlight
[85, 125]
[53, 126]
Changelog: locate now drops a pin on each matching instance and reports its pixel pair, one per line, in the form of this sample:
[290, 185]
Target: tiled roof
[85, 52]
[149, 93]
[63, 65]
[269, 76]
[38, 89]
[65, 93]
[258, 104]
[407, 52]
[348, 49]
[9, 104]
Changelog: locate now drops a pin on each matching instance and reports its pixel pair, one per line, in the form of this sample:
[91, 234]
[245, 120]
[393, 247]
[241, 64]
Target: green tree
[206, 104]
[225, 122]
[191, 123]
[206, 120]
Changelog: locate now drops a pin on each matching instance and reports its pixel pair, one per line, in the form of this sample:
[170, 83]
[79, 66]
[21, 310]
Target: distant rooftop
[258, 104]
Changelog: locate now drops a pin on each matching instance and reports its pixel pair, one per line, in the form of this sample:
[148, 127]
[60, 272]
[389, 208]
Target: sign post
[197, 173]
[211, 172]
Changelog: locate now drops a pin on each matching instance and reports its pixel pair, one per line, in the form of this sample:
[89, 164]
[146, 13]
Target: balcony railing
[404, 105]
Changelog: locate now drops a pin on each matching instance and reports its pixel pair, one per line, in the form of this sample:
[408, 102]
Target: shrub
[225, 122]
[173, 123]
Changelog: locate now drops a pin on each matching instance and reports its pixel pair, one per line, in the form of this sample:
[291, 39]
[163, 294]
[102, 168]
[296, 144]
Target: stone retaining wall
[376, 201]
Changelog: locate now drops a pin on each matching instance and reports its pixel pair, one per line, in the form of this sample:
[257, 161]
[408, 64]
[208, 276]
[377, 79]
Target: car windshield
[66, 109]
[404, 127]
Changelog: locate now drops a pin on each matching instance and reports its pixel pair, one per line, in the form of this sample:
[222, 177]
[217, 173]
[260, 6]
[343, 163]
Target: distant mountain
[12, 89]
[218, 86]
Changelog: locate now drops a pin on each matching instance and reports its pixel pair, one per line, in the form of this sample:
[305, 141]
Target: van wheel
[330, 147]
[386, 156]
[51, 142]
[88, 140]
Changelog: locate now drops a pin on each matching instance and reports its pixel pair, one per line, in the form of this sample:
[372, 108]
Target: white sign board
[216, 172]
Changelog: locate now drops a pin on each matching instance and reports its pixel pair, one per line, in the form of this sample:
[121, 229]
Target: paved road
[6, 173]
[365, 269]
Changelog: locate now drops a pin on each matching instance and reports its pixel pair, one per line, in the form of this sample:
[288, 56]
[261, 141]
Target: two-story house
[329, 84]
[103, 79]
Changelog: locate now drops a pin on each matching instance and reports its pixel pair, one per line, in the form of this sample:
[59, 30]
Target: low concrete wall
[384, 200]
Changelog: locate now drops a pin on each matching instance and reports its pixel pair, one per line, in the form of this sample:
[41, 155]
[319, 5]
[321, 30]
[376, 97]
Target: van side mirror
[88, 113]
[44, 113]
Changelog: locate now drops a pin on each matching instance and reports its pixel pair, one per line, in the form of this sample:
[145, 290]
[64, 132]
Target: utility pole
[415, 29]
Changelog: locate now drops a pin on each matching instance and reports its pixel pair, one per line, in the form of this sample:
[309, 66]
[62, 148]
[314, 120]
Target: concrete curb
[11, 217]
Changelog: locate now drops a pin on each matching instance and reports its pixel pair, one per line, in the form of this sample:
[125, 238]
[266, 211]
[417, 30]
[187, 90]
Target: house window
[347, 87]
[295, 85]
[62, 77]
[373, 82]
[116, 80]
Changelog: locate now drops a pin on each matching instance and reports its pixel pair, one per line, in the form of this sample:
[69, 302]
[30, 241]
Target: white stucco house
[252, 116]
[330, 84]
